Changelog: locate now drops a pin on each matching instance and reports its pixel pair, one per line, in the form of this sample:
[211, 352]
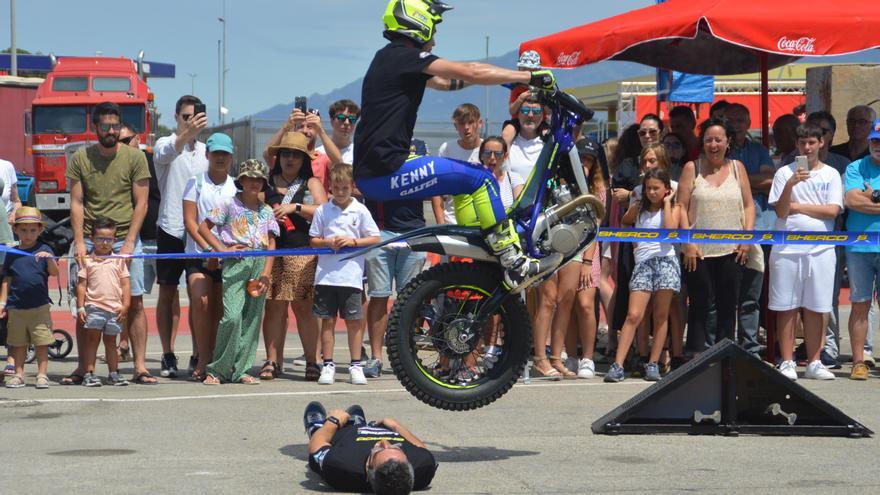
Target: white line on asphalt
[519, 386]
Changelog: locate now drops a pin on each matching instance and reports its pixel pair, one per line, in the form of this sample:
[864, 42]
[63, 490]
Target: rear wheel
[441, 353]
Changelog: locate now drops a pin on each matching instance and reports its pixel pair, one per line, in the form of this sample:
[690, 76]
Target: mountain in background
[438, 106]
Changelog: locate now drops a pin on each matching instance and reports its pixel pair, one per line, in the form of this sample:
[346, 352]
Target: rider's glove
[543, 79]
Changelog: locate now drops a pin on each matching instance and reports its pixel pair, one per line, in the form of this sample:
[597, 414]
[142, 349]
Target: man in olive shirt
[110, 180]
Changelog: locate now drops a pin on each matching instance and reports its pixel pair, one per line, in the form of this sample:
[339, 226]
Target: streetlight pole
[14, 51]
[486, 113]
[219, 85]
[223, 67]
[192, 78]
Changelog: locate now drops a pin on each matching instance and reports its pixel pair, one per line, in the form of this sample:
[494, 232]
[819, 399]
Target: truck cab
[59, 121]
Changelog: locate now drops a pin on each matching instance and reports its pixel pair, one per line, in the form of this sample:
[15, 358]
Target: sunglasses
[352, 119]
[126, 140]
[496, 154]
[104, 240]
[289, 153]
[649, 132]
[107, 127]
[533, 111]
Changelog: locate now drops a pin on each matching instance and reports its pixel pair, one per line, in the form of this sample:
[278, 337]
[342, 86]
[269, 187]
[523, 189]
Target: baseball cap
[219, 142]
[588, 147]
[875, 130]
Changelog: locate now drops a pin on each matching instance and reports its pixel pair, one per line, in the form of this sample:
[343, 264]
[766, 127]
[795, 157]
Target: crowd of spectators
[660, 304]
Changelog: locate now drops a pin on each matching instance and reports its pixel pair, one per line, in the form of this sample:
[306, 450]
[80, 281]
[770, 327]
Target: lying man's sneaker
[314, 417]
[859, 372]
[828, 361]
[816, 371]
[356, 415]
[615, 374]
[373, 368]
[652, 372]
[356, 375]
[788, 370]
[586, 369]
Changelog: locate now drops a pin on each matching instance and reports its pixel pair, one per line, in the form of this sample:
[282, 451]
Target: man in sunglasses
[344, 115]
[355, 456]
[177, 158]
[110, 180]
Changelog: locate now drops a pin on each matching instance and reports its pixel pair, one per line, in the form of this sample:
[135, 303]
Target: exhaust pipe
[140, 64]
[581, 200]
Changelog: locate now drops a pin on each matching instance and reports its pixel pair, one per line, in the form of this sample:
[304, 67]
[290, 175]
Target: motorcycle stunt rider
[392, 92]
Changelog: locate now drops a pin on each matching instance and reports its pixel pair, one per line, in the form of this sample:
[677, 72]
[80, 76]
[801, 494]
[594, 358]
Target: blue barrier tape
[673, 236]
[772, 237]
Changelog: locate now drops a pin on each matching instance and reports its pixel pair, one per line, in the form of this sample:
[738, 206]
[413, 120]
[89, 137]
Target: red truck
[58, 124]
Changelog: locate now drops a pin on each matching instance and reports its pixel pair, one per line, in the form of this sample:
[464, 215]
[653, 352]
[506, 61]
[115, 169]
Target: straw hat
[294, 141]
[28, 214]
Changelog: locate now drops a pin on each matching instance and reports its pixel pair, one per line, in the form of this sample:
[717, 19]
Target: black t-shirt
[148, 229]
[391, 95]
[30, 278]
[842, 149]
[397, 216]
[342, 464]
[299, 235]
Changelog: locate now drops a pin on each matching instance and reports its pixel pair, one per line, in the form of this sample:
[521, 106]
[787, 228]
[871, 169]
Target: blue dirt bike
[457, 338]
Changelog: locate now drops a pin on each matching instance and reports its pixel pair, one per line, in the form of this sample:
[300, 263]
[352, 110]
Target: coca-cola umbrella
[718, 36]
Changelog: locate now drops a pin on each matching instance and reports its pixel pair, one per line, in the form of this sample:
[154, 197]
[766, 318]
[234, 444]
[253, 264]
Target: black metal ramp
[727, 391]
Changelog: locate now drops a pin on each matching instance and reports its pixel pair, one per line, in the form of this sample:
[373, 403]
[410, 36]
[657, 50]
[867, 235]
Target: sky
[275, 49]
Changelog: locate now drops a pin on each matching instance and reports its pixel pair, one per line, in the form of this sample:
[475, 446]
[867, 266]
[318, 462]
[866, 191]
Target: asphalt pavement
[184, 437]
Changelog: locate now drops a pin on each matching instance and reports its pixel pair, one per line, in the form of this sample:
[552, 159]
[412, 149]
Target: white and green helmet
[414, 19]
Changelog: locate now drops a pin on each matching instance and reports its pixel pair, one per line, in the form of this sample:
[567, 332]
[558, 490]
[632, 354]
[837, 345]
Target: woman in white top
[204, 279]
[528, 143]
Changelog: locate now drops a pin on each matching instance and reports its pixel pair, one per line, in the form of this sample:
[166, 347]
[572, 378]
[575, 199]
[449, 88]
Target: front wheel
[438, 349]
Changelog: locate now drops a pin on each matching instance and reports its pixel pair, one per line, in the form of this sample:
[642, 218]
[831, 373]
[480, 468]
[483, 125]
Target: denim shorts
[660, 273]
[864, 271]
[332, 300]
[103, 320]
[391, 264]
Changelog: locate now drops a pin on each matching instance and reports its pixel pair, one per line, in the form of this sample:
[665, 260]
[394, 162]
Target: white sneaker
[817, 371]
[328, 375]
[571, 364]
[356, 376]
[788, 370]
[586, 368]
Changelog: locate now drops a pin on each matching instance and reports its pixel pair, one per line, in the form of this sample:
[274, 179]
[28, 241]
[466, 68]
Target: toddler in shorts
[103, 295]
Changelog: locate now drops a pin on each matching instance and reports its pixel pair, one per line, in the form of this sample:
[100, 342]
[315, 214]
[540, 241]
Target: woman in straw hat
[294, 194]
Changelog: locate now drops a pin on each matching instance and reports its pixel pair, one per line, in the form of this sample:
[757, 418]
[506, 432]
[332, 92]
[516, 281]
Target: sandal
[248, 380]
[559, 365]
[197, 376]
[313, 372]
[211, 380]
[551, 374]
[145, 378]
[269, 370]
[72, 379]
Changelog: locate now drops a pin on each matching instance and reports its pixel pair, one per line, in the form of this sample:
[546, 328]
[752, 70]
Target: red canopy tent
[718, 36]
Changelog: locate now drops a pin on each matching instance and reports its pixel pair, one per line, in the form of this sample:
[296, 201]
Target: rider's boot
[519, 270]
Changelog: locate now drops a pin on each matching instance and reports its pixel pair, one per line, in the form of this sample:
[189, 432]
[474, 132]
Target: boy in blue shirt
[24, 295]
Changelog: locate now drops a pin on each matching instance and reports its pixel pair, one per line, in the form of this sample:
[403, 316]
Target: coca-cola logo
[568, 59]
[799, 45]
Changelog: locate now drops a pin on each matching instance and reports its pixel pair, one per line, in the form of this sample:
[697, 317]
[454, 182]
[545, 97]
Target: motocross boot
[520, 271]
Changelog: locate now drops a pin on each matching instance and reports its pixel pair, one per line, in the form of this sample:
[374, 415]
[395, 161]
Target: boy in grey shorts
[103, 295]
[342, 222]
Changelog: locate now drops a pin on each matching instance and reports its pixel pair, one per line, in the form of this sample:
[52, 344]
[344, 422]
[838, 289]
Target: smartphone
[801, 161]
[199, 108]
[300, 103]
